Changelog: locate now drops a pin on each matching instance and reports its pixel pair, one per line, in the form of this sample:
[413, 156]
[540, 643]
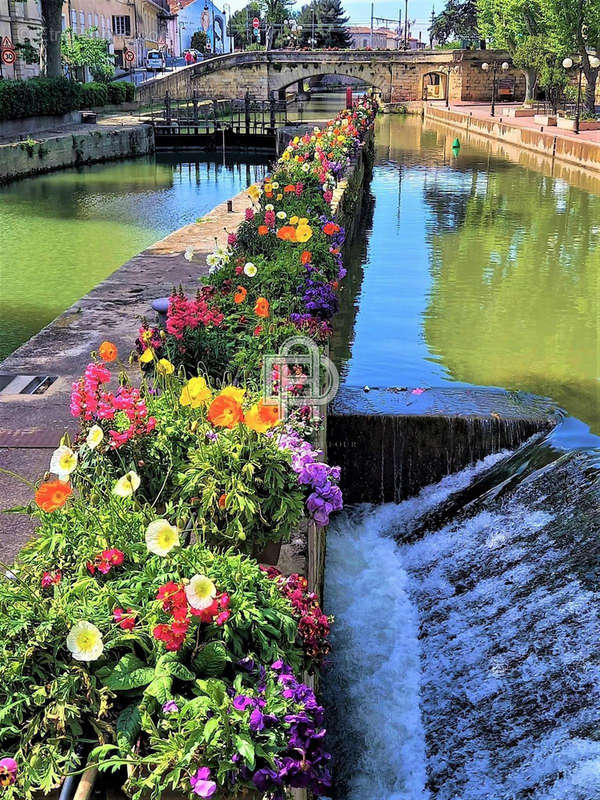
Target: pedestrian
[189, 58]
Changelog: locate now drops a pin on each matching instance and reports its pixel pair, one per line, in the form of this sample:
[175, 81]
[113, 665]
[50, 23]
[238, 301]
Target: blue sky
[359, 11]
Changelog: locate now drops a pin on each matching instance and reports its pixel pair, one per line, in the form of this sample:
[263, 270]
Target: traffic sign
[256, 23]
[7, 44]
[9, 56]
[129, 56]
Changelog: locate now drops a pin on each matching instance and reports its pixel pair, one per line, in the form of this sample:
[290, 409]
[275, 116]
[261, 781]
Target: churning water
[466, 659]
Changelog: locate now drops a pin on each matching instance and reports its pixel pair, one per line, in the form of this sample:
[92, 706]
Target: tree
[332, 24]
[81, 50]
[517, 26]
[574, 27]
[50, 59]
[240, 26]
[458, 20]
[274, 12]
[199, 40]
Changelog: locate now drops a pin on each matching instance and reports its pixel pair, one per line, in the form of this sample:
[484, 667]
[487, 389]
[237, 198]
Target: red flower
[306, 257]
[51, 578]
[257, 331]
[126, 621]
[330, 228]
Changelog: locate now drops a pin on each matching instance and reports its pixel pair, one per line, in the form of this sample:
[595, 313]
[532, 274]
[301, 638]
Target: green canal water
[63, 233]
[473, 270]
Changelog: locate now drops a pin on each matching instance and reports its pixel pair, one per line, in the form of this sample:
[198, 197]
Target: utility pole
[431, 28]
[406, 24]
[372, 10]
[399, 25]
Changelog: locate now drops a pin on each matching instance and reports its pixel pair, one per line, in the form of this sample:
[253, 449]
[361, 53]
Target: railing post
[272, 110]
[195, 106]
[167, 108]
[247, 111]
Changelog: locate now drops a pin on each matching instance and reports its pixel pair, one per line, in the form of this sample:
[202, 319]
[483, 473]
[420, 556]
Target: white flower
[85, 642]
[189, 253]
[127, 485]
[161, 537]
[94, 437]
[63, 462]
[249, 269]
[200, 592]
[305, 167]
[269, 207]
[281, 215]
[213, 260]
[275, 185]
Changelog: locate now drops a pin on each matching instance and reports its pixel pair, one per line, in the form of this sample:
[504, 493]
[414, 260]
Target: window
[82, 21]
[121, 26]
[74, 20]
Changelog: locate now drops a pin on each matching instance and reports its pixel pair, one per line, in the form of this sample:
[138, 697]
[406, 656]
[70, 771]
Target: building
[127, 25]
[382, 38]
[21, 24]
[198, 15]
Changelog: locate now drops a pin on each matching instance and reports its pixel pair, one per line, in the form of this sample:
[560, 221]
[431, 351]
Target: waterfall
[466, 659]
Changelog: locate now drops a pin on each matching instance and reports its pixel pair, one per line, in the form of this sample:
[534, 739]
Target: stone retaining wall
[580, 152]
[21, 159]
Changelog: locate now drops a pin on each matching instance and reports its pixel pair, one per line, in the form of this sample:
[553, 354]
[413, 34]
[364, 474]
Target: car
[155, 61]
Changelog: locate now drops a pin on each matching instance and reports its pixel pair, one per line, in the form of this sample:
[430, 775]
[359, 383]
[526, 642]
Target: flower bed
[137, 631]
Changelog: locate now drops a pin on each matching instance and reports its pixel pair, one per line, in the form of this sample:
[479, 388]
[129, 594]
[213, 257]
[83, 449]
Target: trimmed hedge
[49, 96]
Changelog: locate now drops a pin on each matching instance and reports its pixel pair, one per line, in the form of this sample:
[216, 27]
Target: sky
[359, 11]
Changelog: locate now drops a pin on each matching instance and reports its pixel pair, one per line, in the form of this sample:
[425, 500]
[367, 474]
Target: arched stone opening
[302, 84]
[434, 86]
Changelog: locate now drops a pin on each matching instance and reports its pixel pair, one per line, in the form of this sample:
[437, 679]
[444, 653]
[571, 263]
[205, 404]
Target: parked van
[155, 61]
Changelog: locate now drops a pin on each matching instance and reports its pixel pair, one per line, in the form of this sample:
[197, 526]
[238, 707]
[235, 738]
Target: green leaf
[129, 673]
[178, 670]
[210, 728]
[161, 689]
[246, 749]
[129, 725]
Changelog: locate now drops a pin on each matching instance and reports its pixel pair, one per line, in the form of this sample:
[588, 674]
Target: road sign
[129, 56]
[257, 33]
[9, 56]
[7, 44]
[256, 23]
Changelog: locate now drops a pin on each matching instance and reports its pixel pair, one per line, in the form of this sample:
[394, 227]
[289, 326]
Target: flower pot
[269, 554]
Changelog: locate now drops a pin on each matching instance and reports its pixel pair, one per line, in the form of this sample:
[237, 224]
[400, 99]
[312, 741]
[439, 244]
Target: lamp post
[568, 64]
[504, 65]
[448, 87]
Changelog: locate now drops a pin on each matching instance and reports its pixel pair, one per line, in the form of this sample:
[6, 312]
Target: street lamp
[568, 63]
[494, 67]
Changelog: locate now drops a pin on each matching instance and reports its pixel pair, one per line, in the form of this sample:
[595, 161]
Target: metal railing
[198, 114]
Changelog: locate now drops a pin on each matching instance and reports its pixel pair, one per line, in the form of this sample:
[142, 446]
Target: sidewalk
[483, 111]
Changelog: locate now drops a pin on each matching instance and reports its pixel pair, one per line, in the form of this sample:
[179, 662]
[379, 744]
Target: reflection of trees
[515, 293]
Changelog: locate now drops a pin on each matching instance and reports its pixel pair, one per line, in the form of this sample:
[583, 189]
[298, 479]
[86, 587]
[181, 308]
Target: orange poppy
[261, 417]
[306, 257]
[52, 495]
[107, 351]
[287, 233]
[225, 412]
[289, 188]
[240, 294]
[222, 500]
[268, 192]
[261, 309]
[262, 230]
[330, 228]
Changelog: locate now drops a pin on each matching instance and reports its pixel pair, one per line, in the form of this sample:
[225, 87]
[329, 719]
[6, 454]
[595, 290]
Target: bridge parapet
[398, 76]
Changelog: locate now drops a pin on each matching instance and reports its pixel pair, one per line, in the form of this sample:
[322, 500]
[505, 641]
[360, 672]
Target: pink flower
[51, 578]
[417, 391]
[231, 239]
[249, 214]
[201, 783]
[126, 621]
[8, 772]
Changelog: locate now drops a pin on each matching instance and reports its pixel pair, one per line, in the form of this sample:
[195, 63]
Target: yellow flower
[285, 156]
[303, 221]
[94, 437]
[147, 356]
[294, 220]
[254, 191]
[195, 393]
[303, 233]
[279, 196]
[233, 391]
[127, 485]
[85, 642]
[63, 462]
[164, 367]
[161, 537]
[200, 592]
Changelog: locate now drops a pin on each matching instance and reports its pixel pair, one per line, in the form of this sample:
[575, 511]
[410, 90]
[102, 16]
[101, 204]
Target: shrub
[93, 94]
[118, 92]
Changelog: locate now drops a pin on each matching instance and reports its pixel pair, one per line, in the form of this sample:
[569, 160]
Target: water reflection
[75, 227]
[477, 271]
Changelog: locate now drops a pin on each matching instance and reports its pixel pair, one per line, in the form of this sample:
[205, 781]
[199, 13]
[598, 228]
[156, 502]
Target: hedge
[48, 96]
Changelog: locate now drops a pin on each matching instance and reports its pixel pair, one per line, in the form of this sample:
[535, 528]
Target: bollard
[230, 206]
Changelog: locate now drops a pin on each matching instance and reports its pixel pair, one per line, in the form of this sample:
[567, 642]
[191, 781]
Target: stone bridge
[398, 76]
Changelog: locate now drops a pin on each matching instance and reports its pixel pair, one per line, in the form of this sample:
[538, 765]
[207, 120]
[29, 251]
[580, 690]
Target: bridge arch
[279, 83]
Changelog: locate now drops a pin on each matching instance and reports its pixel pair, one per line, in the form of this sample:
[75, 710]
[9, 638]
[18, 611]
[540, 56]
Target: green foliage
[199, 40]
[328, 20]
[457, 20]
[240, 26]
[80, 50]
[48, 96]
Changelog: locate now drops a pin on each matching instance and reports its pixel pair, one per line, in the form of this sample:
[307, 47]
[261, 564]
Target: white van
[155, 61]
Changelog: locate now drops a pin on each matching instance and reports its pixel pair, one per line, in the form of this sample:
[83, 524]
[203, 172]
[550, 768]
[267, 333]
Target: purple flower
[201, 783]
[242, 701]
[265, 779]
[316, 474]
[170, 707]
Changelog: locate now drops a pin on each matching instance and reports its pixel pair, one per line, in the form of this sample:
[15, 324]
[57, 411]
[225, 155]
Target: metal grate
[25, 384]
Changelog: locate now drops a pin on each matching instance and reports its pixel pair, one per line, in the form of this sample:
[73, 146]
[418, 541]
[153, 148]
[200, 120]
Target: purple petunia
[201, 783]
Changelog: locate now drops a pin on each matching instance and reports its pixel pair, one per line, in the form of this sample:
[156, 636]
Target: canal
[473, 270]
[63, 233]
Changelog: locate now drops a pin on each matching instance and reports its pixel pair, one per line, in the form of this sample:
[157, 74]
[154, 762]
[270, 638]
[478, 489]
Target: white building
[198, 15]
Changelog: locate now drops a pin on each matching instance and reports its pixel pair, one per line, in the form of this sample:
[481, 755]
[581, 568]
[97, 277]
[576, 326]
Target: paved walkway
[31, 425]
[483, 111]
